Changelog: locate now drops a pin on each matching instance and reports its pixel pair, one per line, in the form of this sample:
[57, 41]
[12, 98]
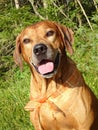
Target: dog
[59, 96]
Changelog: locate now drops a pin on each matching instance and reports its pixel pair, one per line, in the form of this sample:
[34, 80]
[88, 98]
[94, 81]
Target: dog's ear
[17, 53]
[67, 36]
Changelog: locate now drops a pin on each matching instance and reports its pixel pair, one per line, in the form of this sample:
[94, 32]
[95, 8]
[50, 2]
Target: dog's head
[41, 45]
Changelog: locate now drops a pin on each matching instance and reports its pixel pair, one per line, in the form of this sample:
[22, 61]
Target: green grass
[14, 94]
[86, 56]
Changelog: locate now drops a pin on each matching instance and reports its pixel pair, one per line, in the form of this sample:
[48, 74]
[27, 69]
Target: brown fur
[61, 100]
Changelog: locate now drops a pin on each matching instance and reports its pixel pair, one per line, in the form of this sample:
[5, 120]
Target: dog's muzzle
[46, 67]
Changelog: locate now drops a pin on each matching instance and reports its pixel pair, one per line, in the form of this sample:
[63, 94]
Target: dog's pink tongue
[46, 68]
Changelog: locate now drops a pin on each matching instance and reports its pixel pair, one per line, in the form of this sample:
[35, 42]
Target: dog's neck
[41, 86]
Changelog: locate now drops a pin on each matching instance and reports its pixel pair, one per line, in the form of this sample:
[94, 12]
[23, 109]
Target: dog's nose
[40, 49]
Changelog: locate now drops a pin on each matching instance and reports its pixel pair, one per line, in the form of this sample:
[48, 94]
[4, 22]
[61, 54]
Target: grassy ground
[14, 94]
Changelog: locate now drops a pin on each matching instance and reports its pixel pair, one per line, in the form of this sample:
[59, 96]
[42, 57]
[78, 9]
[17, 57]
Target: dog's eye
[26, 40]
[49, 33]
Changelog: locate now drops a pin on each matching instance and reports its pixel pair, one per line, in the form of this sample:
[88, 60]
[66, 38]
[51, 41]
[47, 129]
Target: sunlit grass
[13, 98]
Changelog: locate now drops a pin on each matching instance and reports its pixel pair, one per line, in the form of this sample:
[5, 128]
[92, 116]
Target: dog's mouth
[47, 68]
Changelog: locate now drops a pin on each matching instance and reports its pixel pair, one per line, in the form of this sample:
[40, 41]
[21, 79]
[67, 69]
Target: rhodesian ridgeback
[59, 96]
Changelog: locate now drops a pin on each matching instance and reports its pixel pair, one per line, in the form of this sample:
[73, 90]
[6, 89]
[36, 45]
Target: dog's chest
[57, 113]
[60, 112]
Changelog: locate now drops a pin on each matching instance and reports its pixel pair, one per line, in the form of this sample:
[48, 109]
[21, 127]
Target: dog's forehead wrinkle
[25, 37]
[44, 26]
